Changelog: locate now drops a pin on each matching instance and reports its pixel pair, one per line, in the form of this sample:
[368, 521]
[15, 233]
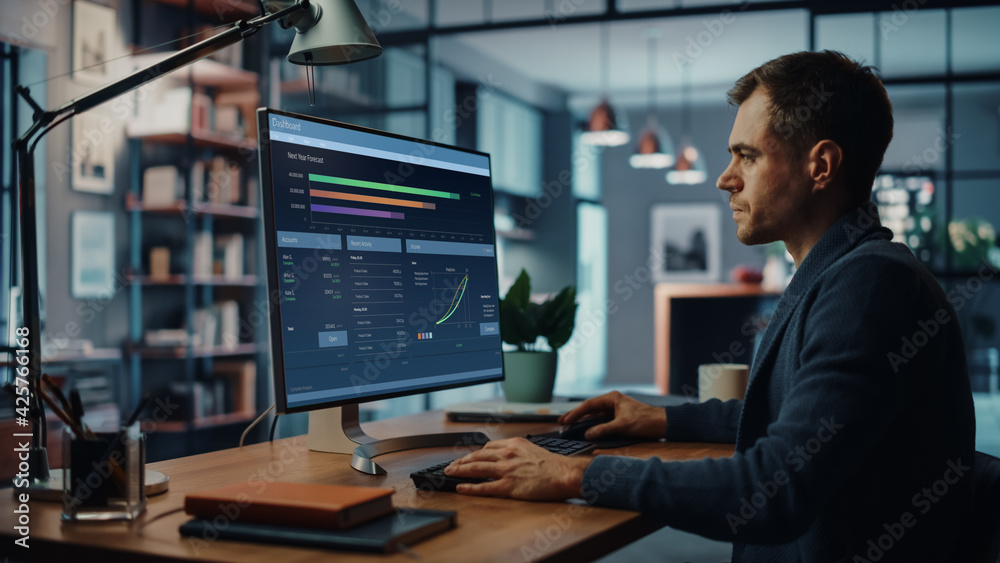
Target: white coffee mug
[722, 381]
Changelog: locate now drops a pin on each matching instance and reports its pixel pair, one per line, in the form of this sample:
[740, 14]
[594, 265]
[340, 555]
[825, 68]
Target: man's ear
[825, 160]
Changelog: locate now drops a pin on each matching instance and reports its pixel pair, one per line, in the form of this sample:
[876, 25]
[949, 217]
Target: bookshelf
[193, 274]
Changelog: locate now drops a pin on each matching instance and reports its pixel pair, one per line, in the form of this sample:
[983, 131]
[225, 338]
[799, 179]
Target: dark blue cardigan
[856, 429]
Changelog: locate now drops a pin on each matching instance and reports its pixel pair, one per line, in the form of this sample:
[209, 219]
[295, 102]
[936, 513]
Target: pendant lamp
[655, 149]
[690, 167]
[605, 127]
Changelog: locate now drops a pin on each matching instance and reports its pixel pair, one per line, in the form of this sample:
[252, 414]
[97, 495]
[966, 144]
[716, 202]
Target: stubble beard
[750, 236]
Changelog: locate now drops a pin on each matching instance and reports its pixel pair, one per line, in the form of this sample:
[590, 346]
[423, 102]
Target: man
[855, 437]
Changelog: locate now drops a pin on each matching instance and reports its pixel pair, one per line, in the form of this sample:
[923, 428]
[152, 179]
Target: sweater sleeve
[843, 395]
[711, 421]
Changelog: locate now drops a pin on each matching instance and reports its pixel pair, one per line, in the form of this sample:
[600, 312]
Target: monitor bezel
[271, 261]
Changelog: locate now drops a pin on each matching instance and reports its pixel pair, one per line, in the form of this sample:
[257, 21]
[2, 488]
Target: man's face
[767, 186]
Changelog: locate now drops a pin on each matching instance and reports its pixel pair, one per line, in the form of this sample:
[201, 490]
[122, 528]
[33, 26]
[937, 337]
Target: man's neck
[812, 229]
[800, 247]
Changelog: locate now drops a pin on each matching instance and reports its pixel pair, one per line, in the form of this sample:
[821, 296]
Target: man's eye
[746, 157]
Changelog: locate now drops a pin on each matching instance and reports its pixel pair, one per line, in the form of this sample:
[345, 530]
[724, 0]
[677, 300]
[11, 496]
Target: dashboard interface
[382, 260]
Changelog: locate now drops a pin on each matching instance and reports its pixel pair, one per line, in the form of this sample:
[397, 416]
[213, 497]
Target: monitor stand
[338, 430]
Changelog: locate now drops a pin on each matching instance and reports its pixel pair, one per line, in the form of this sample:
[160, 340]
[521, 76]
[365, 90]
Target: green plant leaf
[520, 293]
[563, 334]
[517, 326]
[555, 309]
[522, 322]
[559, 317]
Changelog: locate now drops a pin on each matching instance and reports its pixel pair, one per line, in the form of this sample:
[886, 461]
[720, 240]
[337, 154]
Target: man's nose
[728, 181]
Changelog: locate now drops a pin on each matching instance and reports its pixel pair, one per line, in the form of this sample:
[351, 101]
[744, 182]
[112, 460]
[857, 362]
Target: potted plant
[530, 373]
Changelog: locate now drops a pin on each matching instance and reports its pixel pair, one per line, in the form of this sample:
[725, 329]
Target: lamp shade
[339, 35]
[605, 127]
[655, 148]
[690, 168]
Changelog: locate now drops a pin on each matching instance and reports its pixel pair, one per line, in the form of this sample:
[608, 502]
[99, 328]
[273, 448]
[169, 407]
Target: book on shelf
[198, 181]
[241, 376]
[327, 507]
[228, 121]
[202, 398]
[206, 327]
[60, 345]
[223, 181]
[166, 337]
[218, 325]
[95, 388]
[159, 263]
[181, 110]
[246, 102]
[204, 251]
[229, 323]
[161, 185]
[164, 114]
[229, 255]
[201, 113]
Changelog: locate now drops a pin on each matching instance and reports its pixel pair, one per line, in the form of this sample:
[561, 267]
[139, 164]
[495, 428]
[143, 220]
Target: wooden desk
[488, 529]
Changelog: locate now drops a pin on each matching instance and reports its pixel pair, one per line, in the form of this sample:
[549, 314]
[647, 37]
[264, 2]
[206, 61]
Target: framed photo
[92, 154]
[93, 42]
[684, 242]
[92, 260]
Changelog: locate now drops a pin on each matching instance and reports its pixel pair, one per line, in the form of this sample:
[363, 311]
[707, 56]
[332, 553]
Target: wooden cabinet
[731, 336]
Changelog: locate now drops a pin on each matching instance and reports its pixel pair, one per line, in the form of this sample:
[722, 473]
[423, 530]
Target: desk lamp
[328, 32]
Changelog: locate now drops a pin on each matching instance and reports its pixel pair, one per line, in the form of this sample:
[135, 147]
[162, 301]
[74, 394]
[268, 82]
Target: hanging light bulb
[690, 167]
[655, 148]
[606, 127]
[603, 128]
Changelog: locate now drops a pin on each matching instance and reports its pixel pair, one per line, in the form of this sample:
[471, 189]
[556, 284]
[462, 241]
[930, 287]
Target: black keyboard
[433, 478]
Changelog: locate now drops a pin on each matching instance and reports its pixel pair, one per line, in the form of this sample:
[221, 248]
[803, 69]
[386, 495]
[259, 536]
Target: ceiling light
[606, 127]
[655, 148]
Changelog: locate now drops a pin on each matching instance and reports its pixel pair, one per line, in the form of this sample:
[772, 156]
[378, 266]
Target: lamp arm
[24, 148]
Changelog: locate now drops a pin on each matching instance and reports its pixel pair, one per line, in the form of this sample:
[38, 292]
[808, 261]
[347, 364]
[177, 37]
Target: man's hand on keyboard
[520, 470]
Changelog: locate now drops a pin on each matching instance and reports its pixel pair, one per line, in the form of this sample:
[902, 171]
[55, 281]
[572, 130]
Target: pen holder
[104, 478]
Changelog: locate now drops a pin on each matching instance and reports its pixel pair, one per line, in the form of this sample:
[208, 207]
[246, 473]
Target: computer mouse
[578, 429]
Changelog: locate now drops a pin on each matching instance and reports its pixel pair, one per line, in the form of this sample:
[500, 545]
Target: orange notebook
[292, 504]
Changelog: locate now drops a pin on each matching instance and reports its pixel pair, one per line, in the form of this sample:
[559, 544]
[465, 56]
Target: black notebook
[382, 535]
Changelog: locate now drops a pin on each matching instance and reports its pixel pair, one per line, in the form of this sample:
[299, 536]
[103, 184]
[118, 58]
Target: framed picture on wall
[92, 154]
[92, 260]
[93, 42]
[685, 242]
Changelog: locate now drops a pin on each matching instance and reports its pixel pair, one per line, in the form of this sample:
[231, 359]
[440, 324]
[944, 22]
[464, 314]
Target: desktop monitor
[381, 274]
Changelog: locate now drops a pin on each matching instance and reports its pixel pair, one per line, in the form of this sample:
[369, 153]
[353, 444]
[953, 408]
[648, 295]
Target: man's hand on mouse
[632, 418]
[520, 470]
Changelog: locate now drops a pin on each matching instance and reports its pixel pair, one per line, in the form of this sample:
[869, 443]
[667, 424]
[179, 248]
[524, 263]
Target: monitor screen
[381, 263]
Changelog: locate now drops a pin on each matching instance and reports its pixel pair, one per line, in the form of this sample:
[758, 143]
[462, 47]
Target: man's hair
[825, 95]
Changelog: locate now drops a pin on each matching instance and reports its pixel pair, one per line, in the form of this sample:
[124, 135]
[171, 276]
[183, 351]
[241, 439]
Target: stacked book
[307, 515]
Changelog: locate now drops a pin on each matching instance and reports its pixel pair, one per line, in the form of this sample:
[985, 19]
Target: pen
[138, 410]
[47, 379]
[77, 404]
[116, 441]
[63, 416]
